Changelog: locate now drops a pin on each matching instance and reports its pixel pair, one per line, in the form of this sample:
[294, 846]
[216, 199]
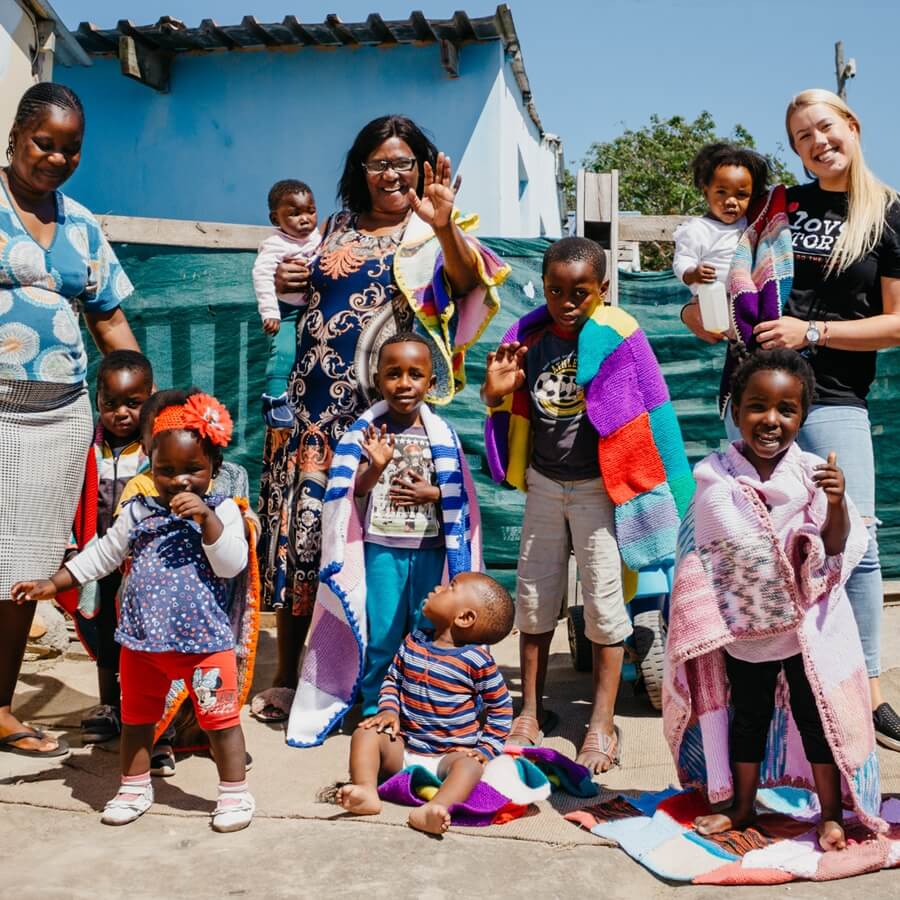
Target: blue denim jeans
[845, 430]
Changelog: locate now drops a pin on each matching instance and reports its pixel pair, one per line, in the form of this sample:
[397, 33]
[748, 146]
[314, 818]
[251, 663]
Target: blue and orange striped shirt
[439, 692]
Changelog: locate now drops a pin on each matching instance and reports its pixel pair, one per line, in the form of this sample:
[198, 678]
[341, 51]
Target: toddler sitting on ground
[430, 701]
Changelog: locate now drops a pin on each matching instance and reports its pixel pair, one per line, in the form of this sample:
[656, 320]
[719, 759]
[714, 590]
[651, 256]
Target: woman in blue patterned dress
[54, 262]
[395, 258]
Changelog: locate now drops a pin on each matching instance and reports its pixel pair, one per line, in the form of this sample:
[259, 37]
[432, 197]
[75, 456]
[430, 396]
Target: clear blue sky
[597, 66]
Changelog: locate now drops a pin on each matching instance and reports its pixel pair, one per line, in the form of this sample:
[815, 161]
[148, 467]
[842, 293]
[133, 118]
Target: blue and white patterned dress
[43, 288]
[45, 413]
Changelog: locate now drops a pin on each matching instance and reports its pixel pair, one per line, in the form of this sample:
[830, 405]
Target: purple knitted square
[629, 383]
[332, 643]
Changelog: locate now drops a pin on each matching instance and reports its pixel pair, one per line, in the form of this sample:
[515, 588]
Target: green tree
[654, 164]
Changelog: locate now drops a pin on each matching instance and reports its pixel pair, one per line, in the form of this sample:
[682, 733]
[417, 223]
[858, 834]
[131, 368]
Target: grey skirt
[45, 435]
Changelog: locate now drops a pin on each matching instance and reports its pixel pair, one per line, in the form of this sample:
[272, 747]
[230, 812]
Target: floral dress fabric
[43, 288]
[354, 306]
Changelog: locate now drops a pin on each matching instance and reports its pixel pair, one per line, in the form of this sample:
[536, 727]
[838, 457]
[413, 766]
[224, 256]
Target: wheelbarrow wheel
[650, 646]
[580, 648]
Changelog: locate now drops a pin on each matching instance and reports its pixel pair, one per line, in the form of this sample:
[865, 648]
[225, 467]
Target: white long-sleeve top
[276, 248]
[176, 595]
[703, 239]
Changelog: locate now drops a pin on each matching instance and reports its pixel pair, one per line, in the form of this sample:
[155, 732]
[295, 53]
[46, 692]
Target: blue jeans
[397, 581]
[845, 430]
[282, 349]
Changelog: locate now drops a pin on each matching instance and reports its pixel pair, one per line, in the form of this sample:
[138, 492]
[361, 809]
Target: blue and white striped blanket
[335, 655]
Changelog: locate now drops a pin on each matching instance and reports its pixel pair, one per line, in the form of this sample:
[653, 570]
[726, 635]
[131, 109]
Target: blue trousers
[846, 431]
[282, 349]
[397, 581]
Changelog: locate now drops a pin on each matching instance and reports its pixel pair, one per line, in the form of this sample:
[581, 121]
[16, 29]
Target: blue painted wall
[235, 122]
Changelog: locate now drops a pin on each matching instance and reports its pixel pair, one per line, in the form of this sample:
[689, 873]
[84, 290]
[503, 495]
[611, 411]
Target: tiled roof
[173, 36]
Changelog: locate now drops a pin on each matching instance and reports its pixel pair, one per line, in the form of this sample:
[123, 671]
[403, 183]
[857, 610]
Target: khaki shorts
[560, 515]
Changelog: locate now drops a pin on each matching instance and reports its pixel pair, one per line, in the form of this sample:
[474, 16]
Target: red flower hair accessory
[203, 414]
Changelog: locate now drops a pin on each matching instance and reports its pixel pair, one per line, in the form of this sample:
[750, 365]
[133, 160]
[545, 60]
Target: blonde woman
[844, 307]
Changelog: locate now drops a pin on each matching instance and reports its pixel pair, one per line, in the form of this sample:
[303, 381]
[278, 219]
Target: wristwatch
[813, 335]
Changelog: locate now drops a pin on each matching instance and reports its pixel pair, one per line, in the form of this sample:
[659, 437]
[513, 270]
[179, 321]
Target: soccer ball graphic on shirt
[558, 393]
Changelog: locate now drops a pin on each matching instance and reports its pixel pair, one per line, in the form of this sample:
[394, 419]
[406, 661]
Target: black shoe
[248, 762]
[162, 762]
[103, 724]
[887, 726]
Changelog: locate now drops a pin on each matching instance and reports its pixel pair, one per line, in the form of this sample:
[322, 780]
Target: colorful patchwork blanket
[511, 782]
[737, 580]
[656, 830]
[642, 458]
[452, 325]
[759, 280]
[335, 654]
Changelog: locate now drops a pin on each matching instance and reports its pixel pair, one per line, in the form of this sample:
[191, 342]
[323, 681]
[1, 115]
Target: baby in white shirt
[292, 210]
[729, 177]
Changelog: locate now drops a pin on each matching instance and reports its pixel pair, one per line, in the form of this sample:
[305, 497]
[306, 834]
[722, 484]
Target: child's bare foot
[361, 801]
[431, 818]
[728, 819]
[831, 835]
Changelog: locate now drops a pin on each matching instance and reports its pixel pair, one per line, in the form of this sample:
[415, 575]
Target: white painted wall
[504, 143]
[18, 42]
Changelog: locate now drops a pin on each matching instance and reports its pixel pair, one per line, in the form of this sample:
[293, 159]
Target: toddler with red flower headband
[184, 545]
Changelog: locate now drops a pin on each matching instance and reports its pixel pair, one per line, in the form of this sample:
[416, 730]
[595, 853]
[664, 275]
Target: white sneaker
[126, 807]
[236, 814]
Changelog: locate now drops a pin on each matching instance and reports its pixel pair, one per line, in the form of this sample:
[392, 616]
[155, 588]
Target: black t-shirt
[564, 443]
[843, 377]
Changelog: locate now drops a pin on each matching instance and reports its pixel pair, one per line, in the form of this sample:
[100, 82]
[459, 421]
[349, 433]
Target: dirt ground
[55, 846]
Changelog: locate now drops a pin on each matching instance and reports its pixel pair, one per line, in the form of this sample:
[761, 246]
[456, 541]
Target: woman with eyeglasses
[396, 258]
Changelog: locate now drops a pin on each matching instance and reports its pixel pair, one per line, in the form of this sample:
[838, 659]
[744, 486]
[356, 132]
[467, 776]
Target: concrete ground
[54, 844]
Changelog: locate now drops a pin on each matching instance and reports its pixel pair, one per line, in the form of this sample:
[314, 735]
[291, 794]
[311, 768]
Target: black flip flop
[6, 745]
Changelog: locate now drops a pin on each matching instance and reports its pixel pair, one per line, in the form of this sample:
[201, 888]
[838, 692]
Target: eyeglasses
[400, 164]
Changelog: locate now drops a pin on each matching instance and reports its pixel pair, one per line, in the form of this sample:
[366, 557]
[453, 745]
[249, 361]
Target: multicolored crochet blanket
[452, 325]
[759, 281]
[656, 830]
[511, 782]
[738, 581]
[335, 654]
[642, 458]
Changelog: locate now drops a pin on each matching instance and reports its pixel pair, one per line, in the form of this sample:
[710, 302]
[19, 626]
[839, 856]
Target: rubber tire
[650, 646]
[580, 648]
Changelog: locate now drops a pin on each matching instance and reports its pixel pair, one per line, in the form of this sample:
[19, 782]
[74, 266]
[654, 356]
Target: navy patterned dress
[354, 306]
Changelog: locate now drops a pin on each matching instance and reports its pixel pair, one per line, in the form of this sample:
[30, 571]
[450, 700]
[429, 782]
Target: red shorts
[211, 679]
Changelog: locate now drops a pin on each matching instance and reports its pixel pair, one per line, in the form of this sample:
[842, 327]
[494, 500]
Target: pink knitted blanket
[737, 580]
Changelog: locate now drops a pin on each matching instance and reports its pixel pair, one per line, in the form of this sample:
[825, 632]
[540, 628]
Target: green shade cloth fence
[195, 315]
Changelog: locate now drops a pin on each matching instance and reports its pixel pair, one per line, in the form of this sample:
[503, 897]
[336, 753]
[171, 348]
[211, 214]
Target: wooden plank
[649, 228]
[182, 233]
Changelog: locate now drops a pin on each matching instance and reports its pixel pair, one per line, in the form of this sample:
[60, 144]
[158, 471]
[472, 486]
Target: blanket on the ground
[511, 782]
[739, 582]
[335, 654]
[656, 830]
[642, 459]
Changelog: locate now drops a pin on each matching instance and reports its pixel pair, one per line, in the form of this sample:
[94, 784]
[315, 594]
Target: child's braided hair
[781, 360]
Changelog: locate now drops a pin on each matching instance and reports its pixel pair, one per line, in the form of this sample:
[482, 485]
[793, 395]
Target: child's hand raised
[831, 479]
[271, 326]
[386, 722]
[379, 445]
[29, 591]
[504, 373]
[190, 506]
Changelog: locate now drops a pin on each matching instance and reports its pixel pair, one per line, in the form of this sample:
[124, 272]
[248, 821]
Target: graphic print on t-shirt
[812, 236]
[557, 392]
[412, 453]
